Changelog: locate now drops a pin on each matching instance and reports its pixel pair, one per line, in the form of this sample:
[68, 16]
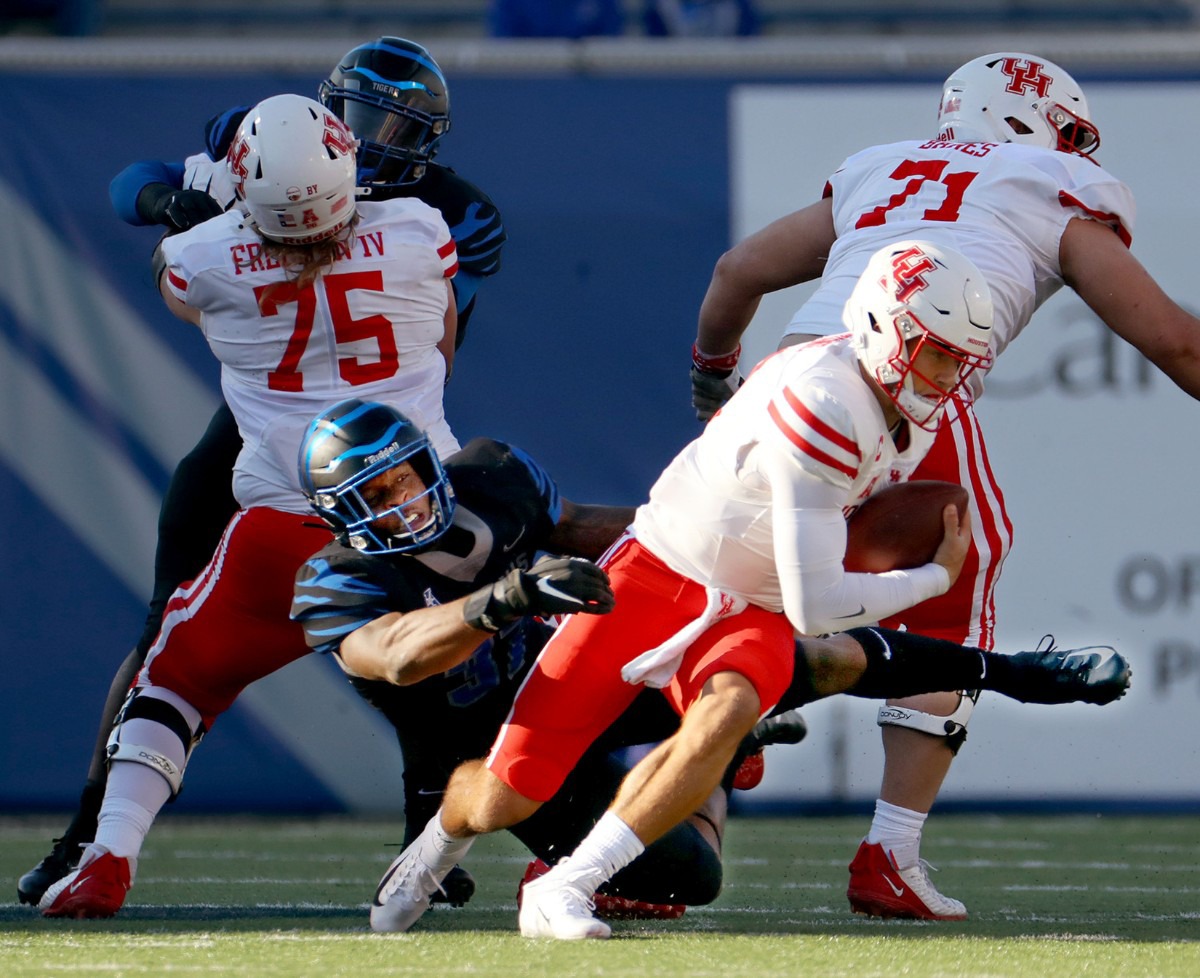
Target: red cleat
[750, 771]
[879, 889]
[96, 889]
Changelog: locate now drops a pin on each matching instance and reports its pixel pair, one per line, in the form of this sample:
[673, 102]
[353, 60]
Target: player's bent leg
[148, 750]
[915, 765]
[476, 801]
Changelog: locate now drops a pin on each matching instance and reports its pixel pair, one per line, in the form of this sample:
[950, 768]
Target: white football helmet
[1016, 98]
[918, 291]
[293, 163]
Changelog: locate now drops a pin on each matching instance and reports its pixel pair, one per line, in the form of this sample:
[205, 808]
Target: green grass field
[1049, 897]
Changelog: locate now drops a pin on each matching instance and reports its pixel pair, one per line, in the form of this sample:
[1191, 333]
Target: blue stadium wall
[578, 353]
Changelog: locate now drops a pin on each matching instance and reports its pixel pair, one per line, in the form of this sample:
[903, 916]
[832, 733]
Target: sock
[905, 663]
[898, 830]
[439, 850]
[124, 823]
[607, 849]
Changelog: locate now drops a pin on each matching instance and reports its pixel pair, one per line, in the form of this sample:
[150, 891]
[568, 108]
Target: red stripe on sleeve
[806, 447]
[176, 281]
[446, 249]
[819, 425]
[451, 271]
[1114, 222]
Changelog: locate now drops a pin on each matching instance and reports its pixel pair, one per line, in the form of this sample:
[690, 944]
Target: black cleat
[748, 764]
[786, 728]
[1094, 674]
[457, 888]
[63, 858]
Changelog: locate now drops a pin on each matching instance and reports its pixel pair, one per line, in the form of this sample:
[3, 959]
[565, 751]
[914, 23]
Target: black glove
[552, 586]
[711, 389]
[160, 203]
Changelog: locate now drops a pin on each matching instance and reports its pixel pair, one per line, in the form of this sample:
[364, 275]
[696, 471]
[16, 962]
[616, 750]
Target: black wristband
[475, 611]
[151, 201]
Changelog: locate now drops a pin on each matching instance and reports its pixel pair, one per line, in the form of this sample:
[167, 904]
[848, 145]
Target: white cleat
[555, 908]
[403, 893]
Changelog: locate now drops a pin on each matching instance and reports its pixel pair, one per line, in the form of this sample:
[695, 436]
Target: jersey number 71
[919, 173]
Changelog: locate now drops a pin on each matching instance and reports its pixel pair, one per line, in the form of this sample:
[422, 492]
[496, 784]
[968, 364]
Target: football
[900, 526]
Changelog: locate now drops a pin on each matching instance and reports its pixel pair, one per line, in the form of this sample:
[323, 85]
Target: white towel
[656, 667]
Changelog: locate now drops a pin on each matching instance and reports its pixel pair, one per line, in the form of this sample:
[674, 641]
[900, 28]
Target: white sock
[899, 831]
[607, 849]
[123, 822]
[439, 850]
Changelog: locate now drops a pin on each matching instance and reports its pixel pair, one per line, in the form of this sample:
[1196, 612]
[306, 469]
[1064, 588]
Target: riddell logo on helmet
[392, 449]
[908, 270]
[1025, 76]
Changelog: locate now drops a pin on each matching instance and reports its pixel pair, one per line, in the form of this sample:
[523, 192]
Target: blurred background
[627, 144]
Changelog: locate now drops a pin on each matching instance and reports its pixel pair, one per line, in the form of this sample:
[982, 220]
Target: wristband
[475, 611]
[723, 363]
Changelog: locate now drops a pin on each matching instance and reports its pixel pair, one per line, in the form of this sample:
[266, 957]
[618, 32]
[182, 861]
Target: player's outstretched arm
[404, 648]
[1098, 266]
[786, 252]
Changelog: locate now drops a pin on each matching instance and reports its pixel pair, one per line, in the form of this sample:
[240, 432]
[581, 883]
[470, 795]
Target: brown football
[900, 526]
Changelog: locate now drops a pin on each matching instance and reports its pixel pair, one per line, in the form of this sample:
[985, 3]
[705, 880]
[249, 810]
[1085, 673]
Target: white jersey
[756, 506]
[368, 328]
[1005, 206]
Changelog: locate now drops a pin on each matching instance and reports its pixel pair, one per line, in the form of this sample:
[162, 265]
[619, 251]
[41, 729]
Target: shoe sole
[877, 906]
[78, 910]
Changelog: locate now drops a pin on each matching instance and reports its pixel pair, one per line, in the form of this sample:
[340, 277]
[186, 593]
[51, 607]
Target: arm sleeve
[810, 544]
[330, 603]
[125, 186]
[480, 235]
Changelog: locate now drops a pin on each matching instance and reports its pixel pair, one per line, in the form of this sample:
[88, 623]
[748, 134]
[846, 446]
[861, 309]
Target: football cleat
[457, 888]
[403, 894]
[879, 888]
[555, 907]
[1094, 674]
[786, 728]
[63, 858]
[96, 889]
[609, 907]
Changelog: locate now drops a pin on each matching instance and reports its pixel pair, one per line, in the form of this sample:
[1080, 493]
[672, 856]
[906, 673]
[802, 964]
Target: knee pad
[952, 727]
[121, 747]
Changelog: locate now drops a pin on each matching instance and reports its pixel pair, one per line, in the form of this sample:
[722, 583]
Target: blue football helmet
[353, 442]
[393, 96]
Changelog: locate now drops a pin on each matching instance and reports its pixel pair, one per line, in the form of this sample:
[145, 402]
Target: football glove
[160, 203]
[710, 390]
[552, 586]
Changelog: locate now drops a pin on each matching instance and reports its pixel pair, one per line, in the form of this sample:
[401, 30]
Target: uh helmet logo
[1025, 75]
[908, 273]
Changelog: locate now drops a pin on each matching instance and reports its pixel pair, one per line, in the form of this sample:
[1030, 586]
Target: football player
[394, 96]
[739, 547]
[1011, 181]
[272, 284]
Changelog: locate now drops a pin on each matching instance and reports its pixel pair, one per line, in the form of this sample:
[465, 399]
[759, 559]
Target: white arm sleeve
[810, 544]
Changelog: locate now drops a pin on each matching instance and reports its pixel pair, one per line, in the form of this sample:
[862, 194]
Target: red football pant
[230, 626]
[575, 689]
[965, 614]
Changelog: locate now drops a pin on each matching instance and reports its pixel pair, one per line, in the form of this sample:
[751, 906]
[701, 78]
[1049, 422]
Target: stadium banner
[617, 206]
